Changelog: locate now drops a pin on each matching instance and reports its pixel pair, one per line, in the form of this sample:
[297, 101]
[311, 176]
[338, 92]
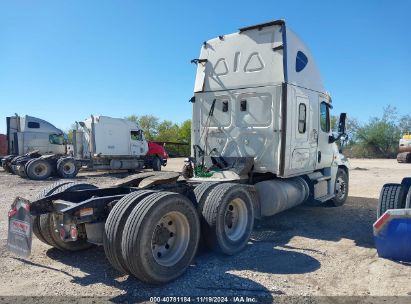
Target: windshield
[56, 139]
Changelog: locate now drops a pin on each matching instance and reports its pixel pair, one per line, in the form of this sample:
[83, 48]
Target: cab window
[325, 117]
[56, 139]
[136, 135]
[33, 125]
[302, 118]
[301, 61]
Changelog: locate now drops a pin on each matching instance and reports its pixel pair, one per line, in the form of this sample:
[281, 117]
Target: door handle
[319, 156]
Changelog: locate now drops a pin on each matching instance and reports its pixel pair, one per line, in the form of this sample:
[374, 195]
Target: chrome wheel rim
[235, 219]
[170, 238]
[340, 188]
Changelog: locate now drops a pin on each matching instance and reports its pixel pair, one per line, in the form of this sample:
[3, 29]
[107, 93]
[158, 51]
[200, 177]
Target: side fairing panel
[244, 123]
[40, 125]
[40, 141]
[301, 67]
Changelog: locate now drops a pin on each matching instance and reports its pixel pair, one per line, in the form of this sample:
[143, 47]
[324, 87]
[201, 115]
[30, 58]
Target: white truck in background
[105, 143]
[30, 137]
[38, 149]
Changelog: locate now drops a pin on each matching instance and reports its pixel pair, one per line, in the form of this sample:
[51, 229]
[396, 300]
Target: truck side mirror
[341, 123]
[341, 129]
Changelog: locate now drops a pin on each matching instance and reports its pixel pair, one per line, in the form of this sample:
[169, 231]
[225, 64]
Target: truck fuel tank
[130, 164]
[277, 195]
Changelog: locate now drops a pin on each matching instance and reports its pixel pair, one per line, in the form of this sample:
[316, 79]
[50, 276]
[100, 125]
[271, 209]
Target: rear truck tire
[7, 168]
[114, 227]
[6, 163]
[47, 225]
[408, 200]
[161, 237]
[38, 169]
[36, 219]
[404, 157]
[201, 192]
[20, 164]
[21, 169]
[156, 163]
[392, 196]
[406, 182]
[227, 218]
[341, 188]
[67, 167]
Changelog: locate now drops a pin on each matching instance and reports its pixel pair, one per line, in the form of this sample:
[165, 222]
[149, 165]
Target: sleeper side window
[300, 61]
[325, 117]
[33, 125]
[302, 118]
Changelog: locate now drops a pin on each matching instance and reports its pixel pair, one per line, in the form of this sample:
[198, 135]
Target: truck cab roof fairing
[40, 126]
[258, 55]
[250, 58]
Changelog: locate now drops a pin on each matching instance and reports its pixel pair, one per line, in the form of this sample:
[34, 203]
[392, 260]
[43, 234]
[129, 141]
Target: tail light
[62, 232]
[12, 212]
[381, 221]
[73, 233]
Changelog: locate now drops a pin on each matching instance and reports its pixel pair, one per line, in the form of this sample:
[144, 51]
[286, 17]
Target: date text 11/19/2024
[204, 299]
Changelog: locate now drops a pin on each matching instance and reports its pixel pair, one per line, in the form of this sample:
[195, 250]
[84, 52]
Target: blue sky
[65, 60]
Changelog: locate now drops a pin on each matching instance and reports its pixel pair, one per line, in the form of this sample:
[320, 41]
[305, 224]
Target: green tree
[381, 135]
[184, 132]
[167, 131]
[148, 123]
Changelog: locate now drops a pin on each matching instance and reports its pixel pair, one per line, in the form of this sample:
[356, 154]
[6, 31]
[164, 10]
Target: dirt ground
[300, 252]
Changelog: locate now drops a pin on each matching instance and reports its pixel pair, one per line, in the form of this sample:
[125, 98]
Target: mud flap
[20, 228]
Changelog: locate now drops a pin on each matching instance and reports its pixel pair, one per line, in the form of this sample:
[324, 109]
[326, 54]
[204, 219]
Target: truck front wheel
[161, 237]
[156, 164]
[341, 188]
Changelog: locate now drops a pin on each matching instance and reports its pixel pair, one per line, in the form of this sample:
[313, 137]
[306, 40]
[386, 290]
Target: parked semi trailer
[39, 150]
[262, 143]
[102, 142]
[392, 230]
[28, 138]
[404, 155]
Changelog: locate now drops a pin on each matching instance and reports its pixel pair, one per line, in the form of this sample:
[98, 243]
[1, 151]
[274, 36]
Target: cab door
[300, 142]
[138, 145]
[325, 152]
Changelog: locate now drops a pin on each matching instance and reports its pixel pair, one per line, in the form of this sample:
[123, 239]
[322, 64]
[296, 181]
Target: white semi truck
[38, 149]
[262, 143]
[28, 138]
